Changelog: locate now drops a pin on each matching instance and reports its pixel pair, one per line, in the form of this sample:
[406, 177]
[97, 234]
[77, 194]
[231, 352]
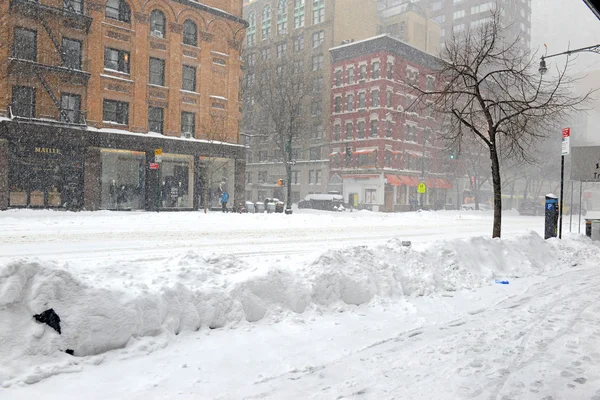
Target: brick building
[381, 147]
[94, 90]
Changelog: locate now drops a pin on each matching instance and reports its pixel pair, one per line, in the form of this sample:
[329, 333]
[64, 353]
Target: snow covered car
[531, 208]
[471, 207]
[326, 202]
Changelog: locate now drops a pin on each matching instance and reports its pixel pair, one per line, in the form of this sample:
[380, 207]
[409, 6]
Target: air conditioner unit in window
[186, 135]
[157, 33]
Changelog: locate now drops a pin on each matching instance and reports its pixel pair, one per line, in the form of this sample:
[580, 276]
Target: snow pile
[195, 291]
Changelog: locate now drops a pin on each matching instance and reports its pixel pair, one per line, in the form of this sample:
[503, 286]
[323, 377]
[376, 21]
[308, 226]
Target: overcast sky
[564, 23]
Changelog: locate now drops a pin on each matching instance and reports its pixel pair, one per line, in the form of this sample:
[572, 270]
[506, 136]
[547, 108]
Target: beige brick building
[93, 91]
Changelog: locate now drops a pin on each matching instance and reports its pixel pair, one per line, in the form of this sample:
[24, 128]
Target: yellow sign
[422, 188]
[158, 152]
[355, 200]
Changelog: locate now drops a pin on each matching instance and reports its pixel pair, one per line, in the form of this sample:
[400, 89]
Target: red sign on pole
[153, 165]
[566, 132]
[566, 141]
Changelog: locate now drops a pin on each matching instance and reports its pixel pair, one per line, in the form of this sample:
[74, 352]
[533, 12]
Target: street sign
[422, 188]
[585, 163]
[153, 165]
[157, 158]
[566, 141]
[158, 152]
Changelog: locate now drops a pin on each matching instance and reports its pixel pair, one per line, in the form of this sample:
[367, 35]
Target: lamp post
[543, 68]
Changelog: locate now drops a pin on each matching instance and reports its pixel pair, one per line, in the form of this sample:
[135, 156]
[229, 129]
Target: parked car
[531, 208]
[327, 202]
[566, 209]
[482, 207]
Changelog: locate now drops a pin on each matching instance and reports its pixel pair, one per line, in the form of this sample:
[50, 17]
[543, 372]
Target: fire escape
[58, 60]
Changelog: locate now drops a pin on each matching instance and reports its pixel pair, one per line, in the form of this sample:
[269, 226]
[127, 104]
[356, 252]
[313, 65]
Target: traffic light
[280, 182]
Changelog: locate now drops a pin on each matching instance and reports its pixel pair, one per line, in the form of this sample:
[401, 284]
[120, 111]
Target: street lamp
[591, 49]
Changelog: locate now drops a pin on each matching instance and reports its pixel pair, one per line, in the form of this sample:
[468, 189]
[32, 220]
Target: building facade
[308, 28]
[383, 144]
[120, 104]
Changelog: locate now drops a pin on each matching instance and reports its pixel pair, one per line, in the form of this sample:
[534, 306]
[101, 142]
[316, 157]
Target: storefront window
[176, 179]
[122, 179]
[217, 175]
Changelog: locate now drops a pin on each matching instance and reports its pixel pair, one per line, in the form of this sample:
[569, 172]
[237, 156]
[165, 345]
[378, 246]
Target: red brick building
[382, 148]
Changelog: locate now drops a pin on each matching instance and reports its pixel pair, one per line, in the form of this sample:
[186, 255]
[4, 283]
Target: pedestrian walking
[224, 200]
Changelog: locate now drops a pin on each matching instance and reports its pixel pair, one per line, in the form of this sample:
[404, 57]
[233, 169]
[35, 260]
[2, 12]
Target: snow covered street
[316, 305]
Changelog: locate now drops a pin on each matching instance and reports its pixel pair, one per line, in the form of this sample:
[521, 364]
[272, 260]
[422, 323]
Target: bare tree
[490, 89]
[276, 100]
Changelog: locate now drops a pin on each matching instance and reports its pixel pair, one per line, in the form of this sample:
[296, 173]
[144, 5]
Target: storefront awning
[438, 183]
[409, 180]
[364, 151]
[414, 153]
[393, 180]
[334, 153]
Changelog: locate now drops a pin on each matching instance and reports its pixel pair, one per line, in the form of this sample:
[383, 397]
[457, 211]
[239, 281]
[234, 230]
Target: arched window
[251, 31]
[266, 22]
[119, 10]
[190, 33]
[158, 23]
[282, 17]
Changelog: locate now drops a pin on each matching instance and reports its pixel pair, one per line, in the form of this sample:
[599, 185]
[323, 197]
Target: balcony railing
[49, 61]
[48, 114]
[36, 10]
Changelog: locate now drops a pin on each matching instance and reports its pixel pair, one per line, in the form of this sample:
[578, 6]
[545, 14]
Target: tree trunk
[497, 184]
[512, 194]
[288, 170]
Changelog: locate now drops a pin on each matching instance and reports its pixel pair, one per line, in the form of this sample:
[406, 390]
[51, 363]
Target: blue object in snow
[502, 282]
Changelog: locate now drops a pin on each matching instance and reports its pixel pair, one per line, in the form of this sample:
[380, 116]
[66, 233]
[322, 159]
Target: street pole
[571, 207]
[562, 191]
[580, 204]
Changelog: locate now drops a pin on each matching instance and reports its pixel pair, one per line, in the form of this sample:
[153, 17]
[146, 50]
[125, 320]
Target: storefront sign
[153, 165]
[47, 150]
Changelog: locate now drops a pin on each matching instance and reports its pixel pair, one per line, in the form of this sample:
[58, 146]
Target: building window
[248, 177]
[266, 22]
[318, 11]
[411, 133]
[351, 75]
[282, 17]
[375, 98]
[458, 14]
[298, 66]
[317, 84]
[336, 133]
[375, 72]
[296, 154]
[75, 6]
[190, 33]
[362, 100]
[348, 130]
[25, 44]
[188, 124]
[315, 153]
[363, 72]
[265, 53]
[281, 50]
[298, 14]
[157, 71]
[349, 102]
[318, 177]
[389, 99]
[317, 108]
[458, 28]
[155, 119]
[440, 19]
[158, 23]
[298, 43]
[71, 57]
[311, 177]
[263, 155]
[370, 196]
[116, 112]
[116, 60]
[23, 101]
[374, 128]
[189, 78]
[390, 70]
[338, 105]
[317, 62]
[361, 129]
[388, 128]
[338, 77]
[262, 177]
[251, 31]
[318, 38]
[251, 60]
[119, 10]
[70, 106]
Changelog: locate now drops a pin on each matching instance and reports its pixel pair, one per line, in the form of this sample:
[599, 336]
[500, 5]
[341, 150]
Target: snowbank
[195, 291]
